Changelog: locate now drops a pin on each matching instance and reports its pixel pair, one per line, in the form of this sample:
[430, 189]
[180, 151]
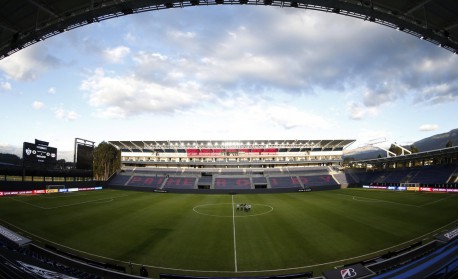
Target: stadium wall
[29, 185]
[223, 191]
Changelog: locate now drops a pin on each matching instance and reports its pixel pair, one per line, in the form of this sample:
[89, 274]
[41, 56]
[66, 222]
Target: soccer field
[206, 235]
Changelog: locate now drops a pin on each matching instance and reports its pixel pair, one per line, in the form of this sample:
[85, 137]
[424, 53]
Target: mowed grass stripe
[163, 230]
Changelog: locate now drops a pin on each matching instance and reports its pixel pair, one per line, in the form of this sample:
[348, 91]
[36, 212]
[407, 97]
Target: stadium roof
[425, 155]
[182, 144]
[23, 23]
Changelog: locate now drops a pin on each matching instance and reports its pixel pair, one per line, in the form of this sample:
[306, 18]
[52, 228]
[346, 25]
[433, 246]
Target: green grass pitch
[205, 235]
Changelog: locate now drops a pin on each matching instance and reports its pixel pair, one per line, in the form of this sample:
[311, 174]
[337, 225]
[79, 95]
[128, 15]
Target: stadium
[255, 209]
[260, 209]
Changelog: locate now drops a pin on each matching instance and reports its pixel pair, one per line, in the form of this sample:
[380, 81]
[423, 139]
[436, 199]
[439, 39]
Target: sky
[227, 73]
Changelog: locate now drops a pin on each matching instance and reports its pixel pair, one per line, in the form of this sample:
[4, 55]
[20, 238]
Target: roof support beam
[452, 26]
[41, 7]
[9, 28]
[421, 4]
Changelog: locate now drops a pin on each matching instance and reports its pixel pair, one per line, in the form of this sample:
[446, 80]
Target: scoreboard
[39, 153]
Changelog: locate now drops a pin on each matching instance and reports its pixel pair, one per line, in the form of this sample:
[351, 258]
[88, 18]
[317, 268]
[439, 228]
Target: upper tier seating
[317, 180]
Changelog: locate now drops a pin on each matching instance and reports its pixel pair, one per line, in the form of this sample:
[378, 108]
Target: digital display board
[39, 153]
[84, 157]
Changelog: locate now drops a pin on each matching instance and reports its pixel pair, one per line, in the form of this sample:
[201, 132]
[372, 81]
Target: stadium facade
[232, 153]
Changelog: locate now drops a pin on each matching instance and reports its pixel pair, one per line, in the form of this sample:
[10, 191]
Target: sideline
[107, 199]
[365, 199]
[230, 271]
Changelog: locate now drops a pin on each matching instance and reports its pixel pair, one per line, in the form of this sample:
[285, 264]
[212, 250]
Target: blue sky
[227, 72]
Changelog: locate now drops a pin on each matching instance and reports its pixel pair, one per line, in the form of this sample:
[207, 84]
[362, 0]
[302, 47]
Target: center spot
[228, 210]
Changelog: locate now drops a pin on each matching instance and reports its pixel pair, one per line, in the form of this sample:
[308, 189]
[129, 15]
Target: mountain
[438, 141]
[364, 153]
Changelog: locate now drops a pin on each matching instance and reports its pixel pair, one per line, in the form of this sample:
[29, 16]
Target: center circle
[228, 210]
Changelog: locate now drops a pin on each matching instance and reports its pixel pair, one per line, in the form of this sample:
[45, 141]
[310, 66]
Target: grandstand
[231, 154]
[239, 167]
[225, 166]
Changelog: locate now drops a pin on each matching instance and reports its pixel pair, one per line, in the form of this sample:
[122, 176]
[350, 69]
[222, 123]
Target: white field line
[31, 204]
[363, 199]
[433, 202]
[220, 271]
[107, 199]
[196, 210]
[62, 196]
[235, 242]
[236, 271]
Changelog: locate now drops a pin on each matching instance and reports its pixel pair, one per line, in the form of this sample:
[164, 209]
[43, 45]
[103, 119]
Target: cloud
[428, 127]
[358, 111]
[129, 37]
[29, 63]
[292, 117]
[123, 96]
[4, 85]
[117, 54]
[63, 114]
[38, 105]
[52, 90]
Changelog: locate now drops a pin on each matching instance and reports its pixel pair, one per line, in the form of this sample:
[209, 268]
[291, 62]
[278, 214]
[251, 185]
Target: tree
[10, 159]
[449, 144]
[107, 160]
[395, 149]
[414, 149]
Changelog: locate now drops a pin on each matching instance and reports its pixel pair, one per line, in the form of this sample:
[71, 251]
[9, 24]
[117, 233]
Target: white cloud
[117, 54]
[52, 90]
[38, 105]
[29, 63]
[175, 34]
[289, 117]
[428, 127]
[123, 96]
[4, 85]
[129, 37]
[63, 114]
[358, 111]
